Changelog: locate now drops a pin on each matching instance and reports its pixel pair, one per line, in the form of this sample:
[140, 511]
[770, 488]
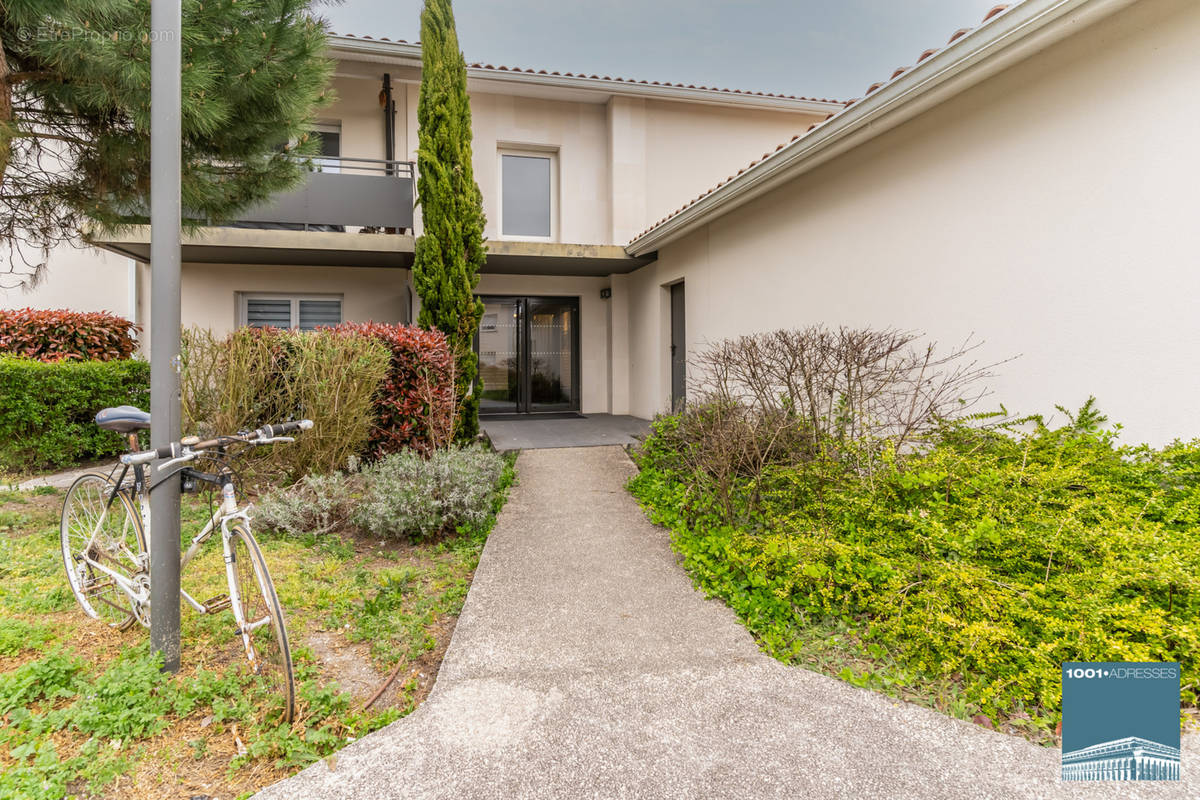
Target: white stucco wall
[622, 164]
[78, 278]
[1049, 210]
[358, 111]
[690, 147]
[368, 293]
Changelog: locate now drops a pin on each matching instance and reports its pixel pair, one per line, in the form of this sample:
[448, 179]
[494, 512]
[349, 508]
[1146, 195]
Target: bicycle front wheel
[97, 532]
[264, 633]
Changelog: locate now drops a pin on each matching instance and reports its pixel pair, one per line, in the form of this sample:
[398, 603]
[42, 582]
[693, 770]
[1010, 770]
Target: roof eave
[407, 53]
[1017, 34]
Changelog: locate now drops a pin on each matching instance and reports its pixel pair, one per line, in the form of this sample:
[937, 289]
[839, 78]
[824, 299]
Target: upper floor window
[330, 149]
[528, 194]
[305, 312]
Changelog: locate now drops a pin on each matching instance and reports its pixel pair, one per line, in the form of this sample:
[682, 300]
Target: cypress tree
[75, 110]
[451, 252]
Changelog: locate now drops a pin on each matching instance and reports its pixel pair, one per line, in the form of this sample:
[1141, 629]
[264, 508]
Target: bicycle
[105, 543]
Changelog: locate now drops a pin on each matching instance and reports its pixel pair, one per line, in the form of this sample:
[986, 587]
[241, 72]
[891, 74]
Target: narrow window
[527, 196]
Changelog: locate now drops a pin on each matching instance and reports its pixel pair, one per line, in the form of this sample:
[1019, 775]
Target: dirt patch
[350, 665]
[347, 663]
[427, 666]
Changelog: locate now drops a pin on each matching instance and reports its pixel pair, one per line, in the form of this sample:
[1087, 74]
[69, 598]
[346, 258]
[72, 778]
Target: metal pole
[165, 64]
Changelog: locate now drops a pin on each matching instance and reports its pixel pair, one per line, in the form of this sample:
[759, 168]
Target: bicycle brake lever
[182, 459]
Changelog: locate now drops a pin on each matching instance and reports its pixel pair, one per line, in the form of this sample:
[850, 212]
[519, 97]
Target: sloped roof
[500, 69]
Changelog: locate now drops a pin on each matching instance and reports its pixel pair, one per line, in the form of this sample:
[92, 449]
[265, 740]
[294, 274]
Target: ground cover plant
[958, 570]
[85, 712]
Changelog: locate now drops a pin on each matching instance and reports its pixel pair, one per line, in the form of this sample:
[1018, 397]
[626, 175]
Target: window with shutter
[265, 313]
[281, 311]
[314, 313]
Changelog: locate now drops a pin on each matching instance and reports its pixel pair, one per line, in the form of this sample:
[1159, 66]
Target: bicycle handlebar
[179, 449]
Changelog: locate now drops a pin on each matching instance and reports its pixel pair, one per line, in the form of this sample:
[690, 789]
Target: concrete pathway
[64, 479]
[585, 665]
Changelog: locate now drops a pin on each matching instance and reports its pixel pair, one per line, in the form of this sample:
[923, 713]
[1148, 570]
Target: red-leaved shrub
[416, 405]
[62, 335]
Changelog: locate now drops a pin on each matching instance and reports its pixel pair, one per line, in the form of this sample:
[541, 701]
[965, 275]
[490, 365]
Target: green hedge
[47, 409]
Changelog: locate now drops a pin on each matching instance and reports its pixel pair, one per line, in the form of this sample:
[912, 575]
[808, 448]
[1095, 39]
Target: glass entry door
[528, 355]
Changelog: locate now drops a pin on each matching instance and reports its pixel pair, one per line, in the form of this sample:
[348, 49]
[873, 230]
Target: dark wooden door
[678, 348]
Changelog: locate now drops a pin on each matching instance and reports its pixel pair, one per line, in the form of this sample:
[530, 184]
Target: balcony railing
[342, 193]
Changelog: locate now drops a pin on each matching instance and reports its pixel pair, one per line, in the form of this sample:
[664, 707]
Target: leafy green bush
[987, 559]
[404, 495]
[256, 376]
[47, 410]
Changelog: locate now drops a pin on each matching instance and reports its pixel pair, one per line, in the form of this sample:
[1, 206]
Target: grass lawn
[85, 712]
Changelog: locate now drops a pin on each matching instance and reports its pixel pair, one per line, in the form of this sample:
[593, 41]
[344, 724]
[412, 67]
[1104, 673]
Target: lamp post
[165, 94]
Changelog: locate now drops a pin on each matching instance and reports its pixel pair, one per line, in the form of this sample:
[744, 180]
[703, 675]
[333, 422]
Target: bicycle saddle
[123, 419]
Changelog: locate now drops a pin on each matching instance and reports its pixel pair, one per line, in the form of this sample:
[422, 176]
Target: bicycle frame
[223, 516]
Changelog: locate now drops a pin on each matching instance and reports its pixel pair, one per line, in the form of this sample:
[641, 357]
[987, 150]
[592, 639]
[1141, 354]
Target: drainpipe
[389, 121]
[131, 283]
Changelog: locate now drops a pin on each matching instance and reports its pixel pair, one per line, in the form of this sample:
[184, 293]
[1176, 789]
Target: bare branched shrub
[793, 396]
[845, 385]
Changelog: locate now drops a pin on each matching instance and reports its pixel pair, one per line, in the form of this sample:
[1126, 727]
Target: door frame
[524, 363]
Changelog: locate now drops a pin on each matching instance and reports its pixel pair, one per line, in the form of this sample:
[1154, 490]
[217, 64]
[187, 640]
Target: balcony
[343, 193]
[355, 212]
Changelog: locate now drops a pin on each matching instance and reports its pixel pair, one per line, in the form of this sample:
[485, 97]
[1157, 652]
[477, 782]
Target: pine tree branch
[13, 78]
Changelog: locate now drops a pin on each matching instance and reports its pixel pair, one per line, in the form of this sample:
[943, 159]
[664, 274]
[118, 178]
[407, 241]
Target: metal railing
[342, 165]
[342, 192]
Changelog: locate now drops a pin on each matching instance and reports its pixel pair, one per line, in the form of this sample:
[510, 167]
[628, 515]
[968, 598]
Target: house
[570, 166]
[1030, 181]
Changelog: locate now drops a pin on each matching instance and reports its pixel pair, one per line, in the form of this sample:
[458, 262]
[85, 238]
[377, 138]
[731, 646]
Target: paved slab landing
[585, 665]
[591, 431]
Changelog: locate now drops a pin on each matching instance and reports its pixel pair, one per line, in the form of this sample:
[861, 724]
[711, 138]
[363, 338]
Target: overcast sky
[825, 48]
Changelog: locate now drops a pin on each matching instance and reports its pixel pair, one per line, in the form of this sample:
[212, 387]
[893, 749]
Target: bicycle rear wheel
[97, 527]
[264, 634]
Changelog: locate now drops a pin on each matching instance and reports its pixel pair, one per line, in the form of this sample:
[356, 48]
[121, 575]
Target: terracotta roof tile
[996, 10]
[642, 82]
[929, 53]
[365, 36]
[618, 79]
